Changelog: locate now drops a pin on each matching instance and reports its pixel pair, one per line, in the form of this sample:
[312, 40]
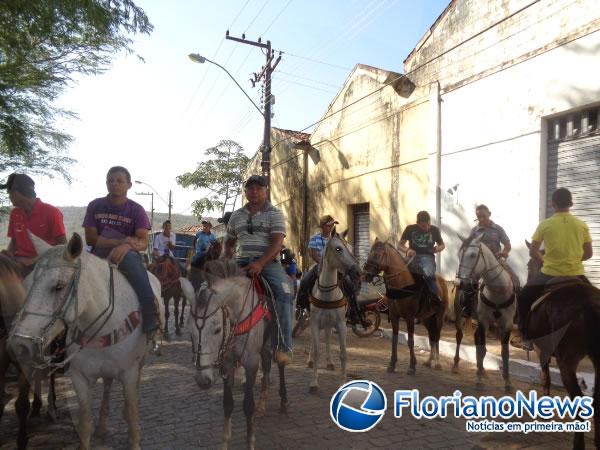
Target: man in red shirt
[30, 214]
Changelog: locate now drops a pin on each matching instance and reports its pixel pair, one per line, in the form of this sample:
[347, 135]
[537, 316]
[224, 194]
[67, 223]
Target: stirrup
[523, 344]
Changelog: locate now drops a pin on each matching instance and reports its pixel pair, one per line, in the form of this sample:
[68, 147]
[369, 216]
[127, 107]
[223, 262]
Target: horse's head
[207, 322]
[375, 261]
[534, 266]
[471, 261]
[338, 254]
[51, 302]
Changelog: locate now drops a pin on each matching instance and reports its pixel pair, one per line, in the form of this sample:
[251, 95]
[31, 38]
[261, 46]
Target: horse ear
[345, 233]
[74, 247]
[462, 238]
[39, 244]
[527, 243]
[333, 232]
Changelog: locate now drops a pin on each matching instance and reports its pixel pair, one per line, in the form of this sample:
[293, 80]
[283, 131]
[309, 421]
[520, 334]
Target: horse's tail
[591, 309]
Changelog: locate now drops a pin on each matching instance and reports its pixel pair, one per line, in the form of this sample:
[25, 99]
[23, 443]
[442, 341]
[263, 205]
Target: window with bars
[574, 125]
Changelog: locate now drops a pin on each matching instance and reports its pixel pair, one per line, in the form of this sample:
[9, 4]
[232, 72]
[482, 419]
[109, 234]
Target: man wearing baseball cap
[30, 214]
[202, 241]
[259, 229]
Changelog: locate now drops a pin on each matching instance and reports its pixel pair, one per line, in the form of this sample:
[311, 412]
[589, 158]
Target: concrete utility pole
[264, 75]
[170, 202]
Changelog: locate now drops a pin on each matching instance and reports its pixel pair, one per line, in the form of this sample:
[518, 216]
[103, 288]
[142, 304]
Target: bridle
[485, 272]
[381, 262]
[332, 287]
[227, 330]
[70, 300]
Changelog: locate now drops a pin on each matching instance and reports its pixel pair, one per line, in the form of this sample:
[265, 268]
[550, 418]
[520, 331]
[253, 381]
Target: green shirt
[563, 236]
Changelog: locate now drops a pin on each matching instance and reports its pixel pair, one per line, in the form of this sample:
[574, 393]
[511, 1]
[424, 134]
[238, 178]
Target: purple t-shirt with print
[114, 221]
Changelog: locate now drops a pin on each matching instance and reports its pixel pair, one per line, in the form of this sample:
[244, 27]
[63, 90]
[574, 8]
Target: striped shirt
[318, 242]
[253, 233]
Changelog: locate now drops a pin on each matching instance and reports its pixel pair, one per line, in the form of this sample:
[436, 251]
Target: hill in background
[73, 218]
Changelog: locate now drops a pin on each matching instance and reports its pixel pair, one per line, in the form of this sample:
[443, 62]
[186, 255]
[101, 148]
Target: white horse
[496, 301]
[328, 304]
[229, 326]
[75, 289]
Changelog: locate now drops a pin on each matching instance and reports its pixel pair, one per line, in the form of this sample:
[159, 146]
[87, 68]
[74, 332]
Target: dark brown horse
[403, 294]
[12, 298]
[197, 273]
[168, 273]
[565, 324]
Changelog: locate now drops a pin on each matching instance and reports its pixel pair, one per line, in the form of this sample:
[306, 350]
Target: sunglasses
[249, 228]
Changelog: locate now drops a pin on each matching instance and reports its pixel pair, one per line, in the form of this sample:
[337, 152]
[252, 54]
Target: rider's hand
[410, 253]
[118, 253]
[254, 268]
[502, 255]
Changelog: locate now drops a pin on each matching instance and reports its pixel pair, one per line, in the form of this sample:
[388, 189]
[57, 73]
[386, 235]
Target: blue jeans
[283, 293]
[132, 268]
[425, 264]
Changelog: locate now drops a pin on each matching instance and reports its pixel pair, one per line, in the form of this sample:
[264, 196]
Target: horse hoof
[178, 332]
[427, 364]
[480, 385]
[260, 411]
[411, 371]
[509, 389]
[391, 369]
[313, 389]
[455, 369]
[52, 416]
[310, 364]
[34, 413]
[283, 408]
[438, 366]
[330, 366]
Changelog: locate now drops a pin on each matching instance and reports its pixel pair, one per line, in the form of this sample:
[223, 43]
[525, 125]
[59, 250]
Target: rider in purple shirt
[117, 228]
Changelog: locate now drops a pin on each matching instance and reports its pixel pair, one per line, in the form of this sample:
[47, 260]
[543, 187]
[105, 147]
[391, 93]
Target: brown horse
[12, 298]
[196, 274]
[565, 325]
[403, 291]
[168, 273]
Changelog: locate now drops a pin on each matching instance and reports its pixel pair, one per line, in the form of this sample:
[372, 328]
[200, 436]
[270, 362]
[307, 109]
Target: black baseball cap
[206, 222]
[225, 218]
[256, 179]
[21, 183]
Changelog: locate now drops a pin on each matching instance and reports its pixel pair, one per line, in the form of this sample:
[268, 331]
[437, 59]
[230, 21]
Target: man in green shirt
[567, 243]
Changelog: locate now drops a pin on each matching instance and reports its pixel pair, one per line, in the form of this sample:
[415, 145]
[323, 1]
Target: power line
[277, 17]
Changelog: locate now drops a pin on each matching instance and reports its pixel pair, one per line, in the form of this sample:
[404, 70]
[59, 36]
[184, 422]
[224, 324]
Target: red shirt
[45, 221]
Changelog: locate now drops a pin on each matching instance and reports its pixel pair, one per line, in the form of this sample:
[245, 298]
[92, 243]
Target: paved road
[177, 415]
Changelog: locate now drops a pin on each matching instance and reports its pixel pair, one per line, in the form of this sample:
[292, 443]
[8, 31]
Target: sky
[157, 116]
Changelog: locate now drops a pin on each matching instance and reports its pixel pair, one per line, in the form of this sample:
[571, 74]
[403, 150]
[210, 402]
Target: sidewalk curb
[519, 368]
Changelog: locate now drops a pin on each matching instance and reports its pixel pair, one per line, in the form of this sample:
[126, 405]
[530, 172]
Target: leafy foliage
[43, 44]
[221, 175]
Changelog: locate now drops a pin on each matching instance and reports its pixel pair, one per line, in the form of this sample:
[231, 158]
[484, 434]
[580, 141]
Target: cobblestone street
[176, 414]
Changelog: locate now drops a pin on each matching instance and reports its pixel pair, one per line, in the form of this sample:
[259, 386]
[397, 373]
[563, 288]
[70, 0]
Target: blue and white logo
[358, 406]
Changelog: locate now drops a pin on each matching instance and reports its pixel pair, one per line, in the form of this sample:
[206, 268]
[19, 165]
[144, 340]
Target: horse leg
[459, 336]
[52, 413]
[36, 405]
[505, 364]
[394, 356]
[314, 328]
[568, 374]
[83, 388]
[166, 303]
[328, 361]
[227, 408]
[480, 351]
[22, 408]
[283, 404]
[183, 303]
[176, 300]
[341, 329]
[596, 403]
[102, 428]
[249, 405]
[410, 327]
[4, 363]
[265, 355]
[130, 382]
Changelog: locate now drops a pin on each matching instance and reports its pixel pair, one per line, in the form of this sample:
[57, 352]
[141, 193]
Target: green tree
[43, 45]
[221, 174]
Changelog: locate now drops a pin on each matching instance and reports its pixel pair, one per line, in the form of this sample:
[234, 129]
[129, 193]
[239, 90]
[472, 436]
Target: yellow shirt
[563, 236]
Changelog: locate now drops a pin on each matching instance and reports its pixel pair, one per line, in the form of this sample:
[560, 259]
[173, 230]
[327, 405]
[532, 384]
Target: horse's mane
[223, 268]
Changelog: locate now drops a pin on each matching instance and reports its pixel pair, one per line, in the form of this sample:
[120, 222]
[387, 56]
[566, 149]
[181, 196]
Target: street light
[195, 57]
[169, 203]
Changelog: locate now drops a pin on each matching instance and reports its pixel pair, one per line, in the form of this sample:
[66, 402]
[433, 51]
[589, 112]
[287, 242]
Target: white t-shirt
[161, 241]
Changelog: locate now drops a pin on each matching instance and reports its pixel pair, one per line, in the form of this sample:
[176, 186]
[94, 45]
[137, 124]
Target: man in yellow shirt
[567, 244]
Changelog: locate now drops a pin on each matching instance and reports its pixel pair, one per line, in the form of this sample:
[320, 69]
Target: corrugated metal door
[361, 232]
[575, 164]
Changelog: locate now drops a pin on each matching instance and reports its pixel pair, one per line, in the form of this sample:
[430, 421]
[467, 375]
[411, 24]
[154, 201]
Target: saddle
[420, 288]
[554, 284]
